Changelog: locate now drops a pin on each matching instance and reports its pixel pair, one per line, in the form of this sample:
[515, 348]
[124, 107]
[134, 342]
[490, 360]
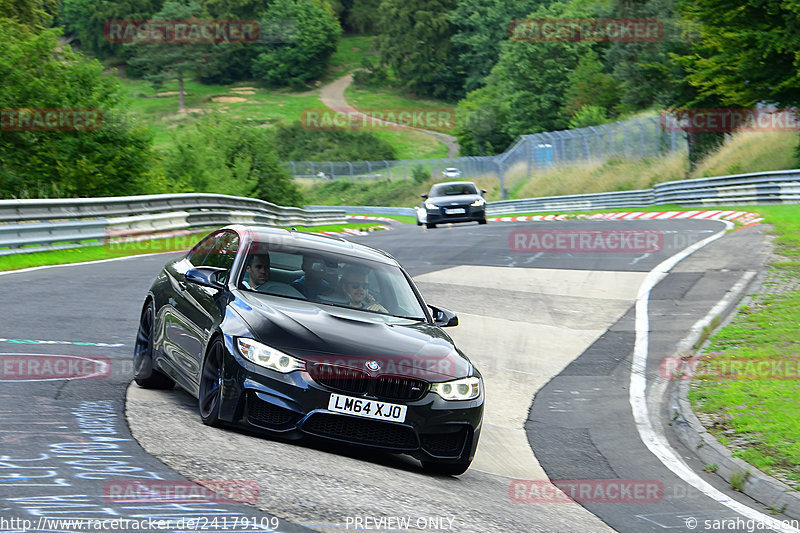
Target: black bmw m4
[297, 334]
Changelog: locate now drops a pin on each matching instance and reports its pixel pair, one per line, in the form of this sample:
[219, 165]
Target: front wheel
[447, 469]
[211, 385]
[143, 372]
[430, 226]
[482, 221]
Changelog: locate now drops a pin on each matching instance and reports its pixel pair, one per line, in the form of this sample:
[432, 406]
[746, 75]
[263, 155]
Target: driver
[257, 270]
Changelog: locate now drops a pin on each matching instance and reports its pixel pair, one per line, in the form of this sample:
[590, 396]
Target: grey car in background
[453, 201]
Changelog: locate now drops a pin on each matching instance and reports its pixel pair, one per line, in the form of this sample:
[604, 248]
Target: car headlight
[268, 357]
[477, 203]
[459, 389]
[431, 205]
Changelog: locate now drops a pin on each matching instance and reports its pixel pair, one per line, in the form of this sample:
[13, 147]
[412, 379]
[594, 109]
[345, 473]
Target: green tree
[85, 21]
[588, 115]
[479, 119]
[414, 41]
[303, 54]
[31, 13]
[37, 73]
[363, 16]
[480, 27]
[588, 85]
[162, 61]
[225, 156]
[748, 50]
[637, 66]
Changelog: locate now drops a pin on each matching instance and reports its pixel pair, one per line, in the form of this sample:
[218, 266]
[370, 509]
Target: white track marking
[656, 442]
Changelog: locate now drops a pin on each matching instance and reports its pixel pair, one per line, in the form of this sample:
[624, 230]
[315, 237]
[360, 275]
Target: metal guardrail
[740, 189]
[33, 225]
[36, 225]
[577, 202]
[368, 210]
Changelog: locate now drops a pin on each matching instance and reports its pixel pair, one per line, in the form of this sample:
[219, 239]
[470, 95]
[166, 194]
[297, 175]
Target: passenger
[354, 286]
[312, 283]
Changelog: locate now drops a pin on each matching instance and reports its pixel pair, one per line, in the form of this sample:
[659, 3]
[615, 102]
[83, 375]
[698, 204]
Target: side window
[200, 251]
[223, 253]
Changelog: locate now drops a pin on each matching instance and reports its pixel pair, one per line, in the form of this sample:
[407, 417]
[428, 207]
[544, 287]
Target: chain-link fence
[632, 139]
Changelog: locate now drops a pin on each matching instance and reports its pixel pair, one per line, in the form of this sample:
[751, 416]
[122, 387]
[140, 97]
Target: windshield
[453, 189]
[329, 278]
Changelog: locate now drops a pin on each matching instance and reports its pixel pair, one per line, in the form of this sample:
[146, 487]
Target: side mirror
[424, 195]
[206, 276]
[483, 191]
[443, 318]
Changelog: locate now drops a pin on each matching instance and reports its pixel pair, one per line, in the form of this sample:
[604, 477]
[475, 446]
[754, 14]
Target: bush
[295, 143]
[225, 156]
[420, 174]
[304, 56]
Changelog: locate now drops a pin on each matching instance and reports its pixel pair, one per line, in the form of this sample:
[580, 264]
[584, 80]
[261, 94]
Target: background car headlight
[430, 205]
[268, 357]
[478, 202]
[459, 389]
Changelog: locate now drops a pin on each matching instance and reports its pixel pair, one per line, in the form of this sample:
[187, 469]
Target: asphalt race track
[553, 334]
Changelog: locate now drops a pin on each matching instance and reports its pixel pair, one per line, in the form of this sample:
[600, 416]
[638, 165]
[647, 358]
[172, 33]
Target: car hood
[459, 199]
[320, 333]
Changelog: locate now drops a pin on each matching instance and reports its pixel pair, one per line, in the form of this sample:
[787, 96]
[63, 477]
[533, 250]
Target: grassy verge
[400, 218]
[443, 119]
[746, 390]
[111, 251]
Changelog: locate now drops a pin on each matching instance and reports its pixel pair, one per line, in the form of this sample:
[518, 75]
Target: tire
[482, 221]
[430, 226]
[143, 372]
[447, 469]
[419, 223]
[210, 395]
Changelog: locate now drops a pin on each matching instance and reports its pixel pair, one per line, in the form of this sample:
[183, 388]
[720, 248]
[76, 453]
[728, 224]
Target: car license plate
[367, 408]
[458, 211]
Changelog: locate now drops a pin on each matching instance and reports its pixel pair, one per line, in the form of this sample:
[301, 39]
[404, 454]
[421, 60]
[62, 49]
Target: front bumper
[441, 216]
[294, 405]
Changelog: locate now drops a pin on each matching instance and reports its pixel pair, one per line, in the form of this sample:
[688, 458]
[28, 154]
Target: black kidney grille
[353, 381]
[444, 444]
[267, 415]
[361, 431]
[340, 378]
[398, 388]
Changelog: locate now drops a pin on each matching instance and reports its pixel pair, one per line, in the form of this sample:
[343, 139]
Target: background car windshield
[453, 189]
[333, 279]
